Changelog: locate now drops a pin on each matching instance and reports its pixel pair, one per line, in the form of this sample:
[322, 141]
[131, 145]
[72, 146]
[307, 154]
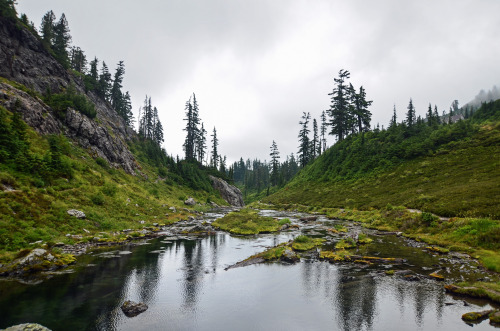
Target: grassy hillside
[42, 177]
[450, 170]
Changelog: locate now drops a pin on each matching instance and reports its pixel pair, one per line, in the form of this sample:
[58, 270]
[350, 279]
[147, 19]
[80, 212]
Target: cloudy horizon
[256, 66]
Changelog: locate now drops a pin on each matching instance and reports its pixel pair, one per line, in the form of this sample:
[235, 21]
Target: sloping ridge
[24, 60]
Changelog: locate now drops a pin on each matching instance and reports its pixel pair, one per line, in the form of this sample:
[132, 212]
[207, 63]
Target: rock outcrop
[24, 60]
[230, 193]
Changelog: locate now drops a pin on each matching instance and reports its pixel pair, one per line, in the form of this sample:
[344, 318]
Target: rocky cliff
[230, 193]
[24, 60]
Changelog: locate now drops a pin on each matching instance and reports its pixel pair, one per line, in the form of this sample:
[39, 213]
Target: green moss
[345, 243]
[305, 243]
[246, 222]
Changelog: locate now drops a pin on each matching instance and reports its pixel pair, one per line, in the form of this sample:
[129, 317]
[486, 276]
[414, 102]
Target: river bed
[184, 282]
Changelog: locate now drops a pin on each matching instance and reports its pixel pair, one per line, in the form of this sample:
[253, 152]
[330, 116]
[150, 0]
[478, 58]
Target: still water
[184, 283]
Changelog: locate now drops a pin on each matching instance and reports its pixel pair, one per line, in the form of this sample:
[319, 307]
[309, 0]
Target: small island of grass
[246, 222]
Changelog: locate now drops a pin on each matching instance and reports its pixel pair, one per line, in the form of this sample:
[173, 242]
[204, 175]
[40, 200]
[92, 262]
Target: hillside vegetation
[449, 170]
[42, 177]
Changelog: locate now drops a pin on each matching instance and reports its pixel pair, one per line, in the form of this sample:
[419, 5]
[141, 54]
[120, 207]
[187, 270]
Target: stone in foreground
[131, 308]
[27, 327]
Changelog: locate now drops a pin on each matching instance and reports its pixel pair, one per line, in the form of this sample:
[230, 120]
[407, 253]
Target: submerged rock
[290, 256]
[476, 315]
[131, 308]
[27, 327]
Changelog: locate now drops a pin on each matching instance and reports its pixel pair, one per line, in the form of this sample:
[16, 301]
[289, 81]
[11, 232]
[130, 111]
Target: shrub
[97, 199]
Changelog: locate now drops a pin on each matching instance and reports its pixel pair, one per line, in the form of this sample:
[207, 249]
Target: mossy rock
[476, 315]
[495, 317]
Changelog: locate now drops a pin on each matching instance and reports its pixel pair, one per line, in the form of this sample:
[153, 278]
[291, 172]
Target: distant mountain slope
[451, 170]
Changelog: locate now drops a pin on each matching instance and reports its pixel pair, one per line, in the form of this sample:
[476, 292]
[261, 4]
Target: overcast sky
[256, 65]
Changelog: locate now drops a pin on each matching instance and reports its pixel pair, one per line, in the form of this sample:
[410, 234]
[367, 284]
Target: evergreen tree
[62, 39]
[304, 140]
[78, 60]
[430, 116]
[190, 132]
[126, 110]
[323, 130]
[394, 119]
[116, 94]
[360, 107]
[8, 9]
[47, 28]
[201, 143]
[339, 112]
[315, 145]
[157, 127]
[410, 115]
[275, 155]
[436, 115]
[215, 144]
[104, 83]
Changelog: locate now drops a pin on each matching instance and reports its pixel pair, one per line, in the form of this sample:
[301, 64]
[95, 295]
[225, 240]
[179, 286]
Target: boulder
[477, 315]
[289, 256]
[230, 193]
[76, 213]
[190, 202]
[131, 308]
[27, 327]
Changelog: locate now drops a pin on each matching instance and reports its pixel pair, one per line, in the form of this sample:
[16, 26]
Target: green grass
[305, 243]
[459, 179]
[246, 222]
[111, 199]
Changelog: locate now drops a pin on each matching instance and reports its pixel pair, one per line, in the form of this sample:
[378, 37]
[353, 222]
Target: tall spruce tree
[315, 145]
[215, 144]
[394, 119]
[339, 112]
[61, 42]
[323, 130]
[360, 107]
[410, 115]
[275, 155]
[201, 144]
[104, 83]
[304, 144]
[116, 95]
[47, 28]
[78, 60]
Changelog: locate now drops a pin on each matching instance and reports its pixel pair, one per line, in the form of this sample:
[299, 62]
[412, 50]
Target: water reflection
[186, 288]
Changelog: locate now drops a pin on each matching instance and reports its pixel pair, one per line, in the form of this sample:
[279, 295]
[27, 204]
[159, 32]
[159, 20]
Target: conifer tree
[47, 28]
[94, 73]
[215, 144]
[304, 139]
[394, 119]
[61, 42]
[339, 112]
[410, 115]
[436, 115]
[430, 117]
[275, 155]
[126, 110]
[104, 83]
[201, 143]
[116, 94]
[315, 145]
[157, 128]
[323, 130]
[78, 60]
[360, 107]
